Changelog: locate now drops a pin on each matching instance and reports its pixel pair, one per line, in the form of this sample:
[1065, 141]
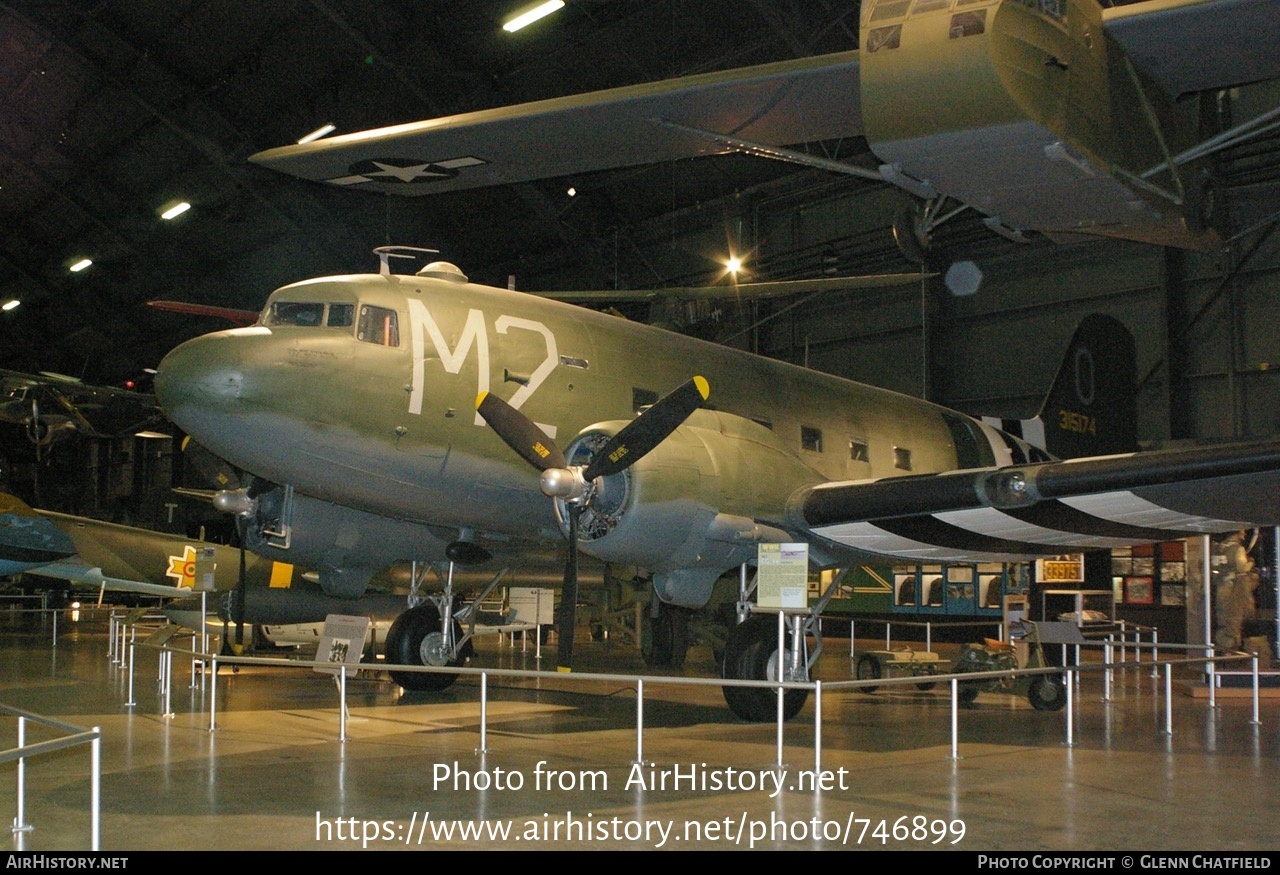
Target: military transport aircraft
[101, 555]
[52, 407]
[387, 417]
[1056, 116]
[93, 554]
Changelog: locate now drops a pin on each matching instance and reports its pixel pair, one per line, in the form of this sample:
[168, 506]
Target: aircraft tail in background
[1092, 407]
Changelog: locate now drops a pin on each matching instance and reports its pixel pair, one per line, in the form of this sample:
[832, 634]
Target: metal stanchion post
[484, 713]
[1168, 699]
[817, 730]
[1071, 723]
[1254, 667]
[95, 790]
[640, 720]
[213, 697]
[955, 718]
[19, 821]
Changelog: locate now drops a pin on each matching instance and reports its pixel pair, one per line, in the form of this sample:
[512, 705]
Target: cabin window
[884, 38]
[968, 23]
[887, 9]
[306, 313]
[858, 450]
[341, 315]
[378, 325]
[811, 439]
[902, 458]
[642, 398]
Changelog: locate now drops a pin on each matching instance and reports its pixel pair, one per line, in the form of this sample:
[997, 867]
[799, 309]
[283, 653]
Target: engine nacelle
[693, 507]
[346, 546]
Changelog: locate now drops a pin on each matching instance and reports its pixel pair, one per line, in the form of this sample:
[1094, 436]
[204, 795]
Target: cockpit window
[305, 313]
[341, 315]
[378, 325]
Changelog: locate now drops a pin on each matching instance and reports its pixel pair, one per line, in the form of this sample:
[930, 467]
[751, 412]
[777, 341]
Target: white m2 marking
[423, 326]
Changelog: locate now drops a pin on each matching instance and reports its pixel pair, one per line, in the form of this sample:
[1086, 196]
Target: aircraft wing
[785, 103]
[80, 573]
[739, 291]
[1019, 512]
[1193, 45]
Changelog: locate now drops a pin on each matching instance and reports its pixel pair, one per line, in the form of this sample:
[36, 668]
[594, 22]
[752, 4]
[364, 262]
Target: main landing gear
[417, 638]
[430, 633]
[751, 653]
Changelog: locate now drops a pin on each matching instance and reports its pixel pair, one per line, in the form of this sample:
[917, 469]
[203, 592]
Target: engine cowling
[694, 506]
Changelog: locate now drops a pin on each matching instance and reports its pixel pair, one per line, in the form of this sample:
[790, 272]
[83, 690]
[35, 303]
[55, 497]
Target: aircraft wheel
[1047, 693]
[664, 640]
[751, 654]
[415, 639]
[868, 670]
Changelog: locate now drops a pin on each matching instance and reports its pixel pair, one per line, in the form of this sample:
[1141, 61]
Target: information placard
[783, 580]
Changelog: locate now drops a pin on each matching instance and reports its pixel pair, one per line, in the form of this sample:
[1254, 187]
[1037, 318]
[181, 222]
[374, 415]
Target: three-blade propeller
[575, 484]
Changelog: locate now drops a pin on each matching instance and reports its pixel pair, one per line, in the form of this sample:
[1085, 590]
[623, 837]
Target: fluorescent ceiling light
[81, 265]
[532, 14]
[10, 305]
[176, 210]
[319, 132]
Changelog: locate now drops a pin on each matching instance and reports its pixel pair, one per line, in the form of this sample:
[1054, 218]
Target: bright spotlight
[81, 265]
[734, 264]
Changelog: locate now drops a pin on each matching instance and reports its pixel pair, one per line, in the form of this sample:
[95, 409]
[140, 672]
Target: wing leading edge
[784, 103]
[1015, 513]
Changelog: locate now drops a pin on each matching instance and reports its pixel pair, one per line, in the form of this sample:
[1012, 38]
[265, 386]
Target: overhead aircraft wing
[785, 103]
[1014, 513]
[739, 291]
[1193, 45]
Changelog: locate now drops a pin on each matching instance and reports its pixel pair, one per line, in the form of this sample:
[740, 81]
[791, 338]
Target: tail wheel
[1047, 692]
[751, 654]
[415, 638]
[868, 670]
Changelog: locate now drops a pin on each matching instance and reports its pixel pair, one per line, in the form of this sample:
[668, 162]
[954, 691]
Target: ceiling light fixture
[734, 264]
[532, 14]
[322, 131]
[81, 265]
[176, 210]
[11, 304]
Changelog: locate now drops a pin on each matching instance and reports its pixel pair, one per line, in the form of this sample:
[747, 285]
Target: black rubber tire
[967, 691]
[1047, 692]
[746, 657]
[404, 647]
[664, 640]
[926, 685]
[868, 670]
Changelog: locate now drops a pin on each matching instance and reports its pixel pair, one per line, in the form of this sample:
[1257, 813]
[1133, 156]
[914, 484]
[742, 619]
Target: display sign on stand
[783, 576]
[342, 643]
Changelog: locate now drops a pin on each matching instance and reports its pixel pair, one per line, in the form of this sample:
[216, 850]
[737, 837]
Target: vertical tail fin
[1092, 407]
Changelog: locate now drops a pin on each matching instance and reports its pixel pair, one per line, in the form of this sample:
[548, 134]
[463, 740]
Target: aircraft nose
[205, 380]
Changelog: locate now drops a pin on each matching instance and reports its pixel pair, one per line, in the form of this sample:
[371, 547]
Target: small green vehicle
[1046, 692]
